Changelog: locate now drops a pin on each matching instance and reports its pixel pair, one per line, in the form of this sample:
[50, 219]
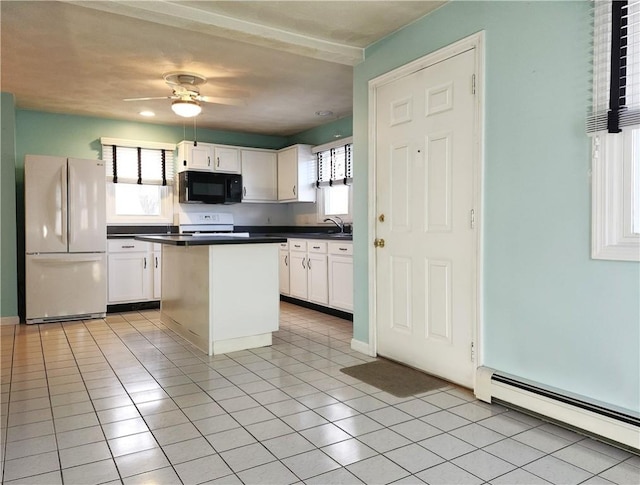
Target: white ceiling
[284, 59]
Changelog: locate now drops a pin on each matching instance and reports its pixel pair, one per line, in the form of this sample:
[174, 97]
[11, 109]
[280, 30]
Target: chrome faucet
[340, 224]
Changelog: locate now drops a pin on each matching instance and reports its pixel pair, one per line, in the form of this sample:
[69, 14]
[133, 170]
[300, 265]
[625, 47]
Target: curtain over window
[335, 165]
[615, 101]
[138, 163]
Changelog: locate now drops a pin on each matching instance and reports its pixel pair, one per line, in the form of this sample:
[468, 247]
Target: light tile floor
[125, 400]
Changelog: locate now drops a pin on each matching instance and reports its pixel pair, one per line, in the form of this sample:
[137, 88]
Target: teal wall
[8, 254]
[550, 313]
[325, 133]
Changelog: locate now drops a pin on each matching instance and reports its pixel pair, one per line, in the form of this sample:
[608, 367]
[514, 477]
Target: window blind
[137, 165]
[615, 102]
[335, 166]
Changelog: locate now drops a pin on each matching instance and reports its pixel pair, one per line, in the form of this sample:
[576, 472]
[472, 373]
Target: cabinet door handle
[145, 263]
[128, 247]
[342, 249]
[286, 260]
[156, 261]
[309, 264]
[303, 263]
[208, 161]
[218, 161]
[244, 191]
[294, 190]
[316, 247]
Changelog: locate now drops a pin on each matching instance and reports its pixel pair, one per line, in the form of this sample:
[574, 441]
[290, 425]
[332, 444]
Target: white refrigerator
[65, 239]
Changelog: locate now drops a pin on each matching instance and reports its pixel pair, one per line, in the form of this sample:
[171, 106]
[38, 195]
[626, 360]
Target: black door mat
[396, 379]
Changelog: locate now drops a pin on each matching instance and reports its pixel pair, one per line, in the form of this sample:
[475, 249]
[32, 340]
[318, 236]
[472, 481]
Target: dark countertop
[181, 240]
[285, 235]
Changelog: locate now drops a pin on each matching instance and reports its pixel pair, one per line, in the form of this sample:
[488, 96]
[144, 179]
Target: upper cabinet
[208, 157]
[296, 174]
[259, 175]
[226, 159]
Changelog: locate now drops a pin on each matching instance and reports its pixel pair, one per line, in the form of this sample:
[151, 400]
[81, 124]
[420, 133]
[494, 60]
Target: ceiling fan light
[186, 108]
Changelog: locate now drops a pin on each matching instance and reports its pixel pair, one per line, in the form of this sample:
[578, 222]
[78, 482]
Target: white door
[45, 199]
[425, 281]
[87, 213]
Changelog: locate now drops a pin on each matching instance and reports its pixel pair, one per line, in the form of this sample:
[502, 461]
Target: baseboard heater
[617, 426]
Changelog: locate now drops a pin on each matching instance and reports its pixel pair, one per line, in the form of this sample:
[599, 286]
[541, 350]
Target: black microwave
[209, 187]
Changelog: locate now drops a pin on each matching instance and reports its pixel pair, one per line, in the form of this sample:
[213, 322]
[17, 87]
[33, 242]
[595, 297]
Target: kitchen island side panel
[185, 296]
[244, 282]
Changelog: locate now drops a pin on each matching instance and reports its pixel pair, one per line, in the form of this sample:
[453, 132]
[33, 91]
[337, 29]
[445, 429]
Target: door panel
[87, 215]
[425, 281]
[45, 181]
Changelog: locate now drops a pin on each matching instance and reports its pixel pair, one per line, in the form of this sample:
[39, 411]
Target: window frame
[167, 192]
[321, 215]
[613, 196]
[322, 190]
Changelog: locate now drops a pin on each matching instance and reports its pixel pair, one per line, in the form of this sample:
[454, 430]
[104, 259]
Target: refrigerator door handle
[63, 205]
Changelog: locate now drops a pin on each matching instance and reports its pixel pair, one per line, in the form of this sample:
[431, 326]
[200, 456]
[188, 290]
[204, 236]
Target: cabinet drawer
[317, 247]
[341, 248]
[284, 246]
[127, 246]
[297, 245]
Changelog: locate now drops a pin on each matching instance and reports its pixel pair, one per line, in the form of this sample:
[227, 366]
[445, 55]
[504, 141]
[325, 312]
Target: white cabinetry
[296, 174]
[298, 268]
[259, 175]
[157, 271]
[132, 271]
[283, 268]
[208, 157]
[308, 270]
[341, 275]
[195, 157]
[226, 159]
[317, 272]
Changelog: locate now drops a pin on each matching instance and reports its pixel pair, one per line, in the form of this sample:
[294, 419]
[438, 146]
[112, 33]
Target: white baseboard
[607, 427]
[9, 320]
[362, 347]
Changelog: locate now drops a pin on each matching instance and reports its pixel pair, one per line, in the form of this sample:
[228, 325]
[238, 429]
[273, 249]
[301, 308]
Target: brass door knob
[379, 243]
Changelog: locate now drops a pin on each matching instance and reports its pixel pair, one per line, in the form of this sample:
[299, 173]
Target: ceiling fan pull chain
[195, 132]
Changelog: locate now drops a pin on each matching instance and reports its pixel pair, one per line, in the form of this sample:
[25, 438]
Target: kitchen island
[220, 292]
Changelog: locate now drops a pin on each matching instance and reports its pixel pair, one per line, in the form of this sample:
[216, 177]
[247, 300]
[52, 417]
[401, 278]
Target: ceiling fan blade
[219, 100]
[147, 99]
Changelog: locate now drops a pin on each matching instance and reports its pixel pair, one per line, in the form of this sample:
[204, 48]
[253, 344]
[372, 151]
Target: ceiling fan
[186, 94]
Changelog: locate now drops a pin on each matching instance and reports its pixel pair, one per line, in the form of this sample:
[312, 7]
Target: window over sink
[335, 179]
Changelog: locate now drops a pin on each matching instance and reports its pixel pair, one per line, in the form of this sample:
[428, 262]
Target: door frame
[477, 42]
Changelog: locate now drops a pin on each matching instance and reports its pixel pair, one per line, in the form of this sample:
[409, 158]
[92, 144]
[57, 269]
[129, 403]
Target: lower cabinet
[157, 271]
[341, 275]
[298, 280]
[283, 267]
[320, 272]
[134, 271]
[317, 290]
